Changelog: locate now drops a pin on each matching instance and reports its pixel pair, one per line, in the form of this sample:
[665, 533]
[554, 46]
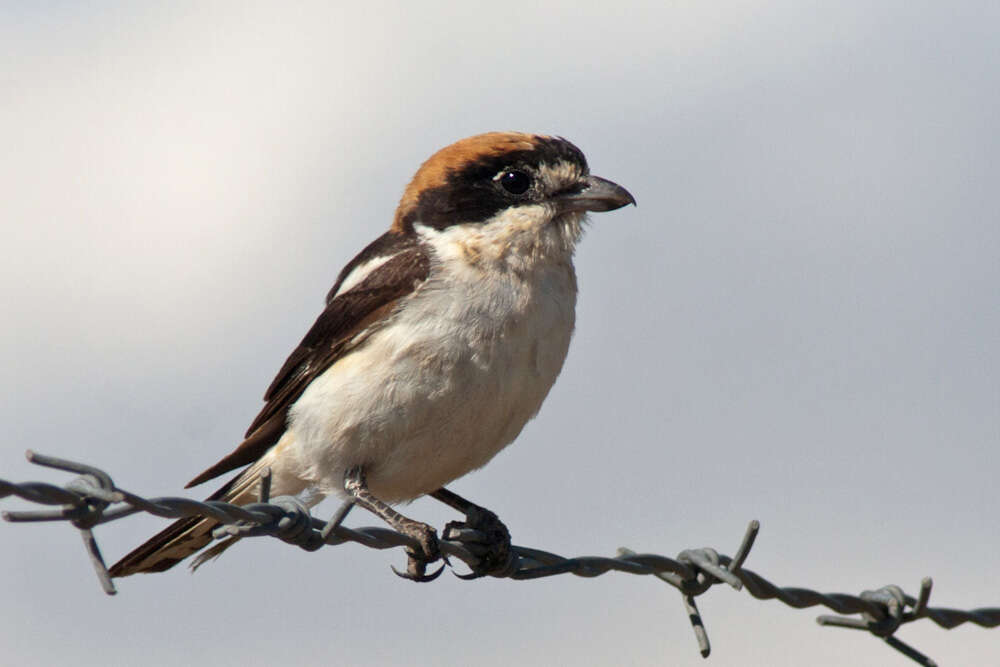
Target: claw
[484, 536]
[416, 564]
[418, 576]
[470, 576]
[424, 535]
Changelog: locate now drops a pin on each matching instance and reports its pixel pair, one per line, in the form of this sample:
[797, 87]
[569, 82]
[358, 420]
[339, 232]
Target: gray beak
[598, 195]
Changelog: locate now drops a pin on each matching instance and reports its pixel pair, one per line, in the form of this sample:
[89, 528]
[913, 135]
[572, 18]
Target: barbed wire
[93, 499]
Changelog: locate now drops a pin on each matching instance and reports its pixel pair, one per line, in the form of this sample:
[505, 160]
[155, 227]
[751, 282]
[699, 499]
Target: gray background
[799, 323]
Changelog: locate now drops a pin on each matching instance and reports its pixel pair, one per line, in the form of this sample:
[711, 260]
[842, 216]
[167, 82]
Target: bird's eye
[515, 181]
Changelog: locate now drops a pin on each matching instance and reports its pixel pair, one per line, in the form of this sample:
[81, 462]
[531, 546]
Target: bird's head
[507, 181]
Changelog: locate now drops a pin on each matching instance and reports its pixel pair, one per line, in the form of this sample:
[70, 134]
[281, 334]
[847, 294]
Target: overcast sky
[800, 323]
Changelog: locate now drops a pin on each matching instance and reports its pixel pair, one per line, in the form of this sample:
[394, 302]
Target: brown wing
[330, 337]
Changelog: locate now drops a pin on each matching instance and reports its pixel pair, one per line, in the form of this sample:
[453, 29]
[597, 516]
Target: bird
[438, 342]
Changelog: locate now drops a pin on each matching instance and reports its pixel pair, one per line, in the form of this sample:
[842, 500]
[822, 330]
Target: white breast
[457, 373]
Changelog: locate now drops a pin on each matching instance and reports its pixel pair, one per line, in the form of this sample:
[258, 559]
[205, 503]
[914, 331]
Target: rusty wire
[93, 499]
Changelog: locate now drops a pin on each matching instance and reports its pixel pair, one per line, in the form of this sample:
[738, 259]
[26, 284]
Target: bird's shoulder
[366, 292]
[388, 269]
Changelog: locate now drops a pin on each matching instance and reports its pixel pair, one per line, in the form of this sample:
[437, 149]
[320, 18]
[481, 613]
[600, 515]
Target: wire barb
[92, 499]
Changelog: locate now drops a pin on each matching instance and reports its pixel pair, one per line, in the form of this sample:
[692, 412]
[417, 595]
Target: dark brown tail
[170, 546]
[190, 535]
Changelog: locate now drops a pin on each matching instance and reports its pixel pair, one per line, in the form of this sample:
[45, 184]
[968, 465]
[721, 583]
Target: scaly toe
[485, 537]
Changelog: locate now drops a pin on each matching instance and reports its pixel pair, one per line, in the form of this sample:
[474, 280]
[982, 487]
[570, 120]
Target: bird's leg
[416, 566]
[482, 533]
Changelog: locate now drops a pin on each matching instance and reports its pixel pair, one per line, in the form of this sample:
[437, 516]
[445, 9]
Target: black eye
[515, 182]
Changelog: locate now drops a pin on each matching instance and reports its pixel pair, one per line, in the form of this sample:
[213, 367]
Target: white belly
[442, 388]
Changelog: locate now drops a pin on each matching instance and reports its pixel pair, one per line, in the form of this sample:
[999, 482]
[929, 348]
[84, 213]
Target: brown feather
[435, 172]
[338, 329]
[189, 534]
[335, 333]
[248, 451]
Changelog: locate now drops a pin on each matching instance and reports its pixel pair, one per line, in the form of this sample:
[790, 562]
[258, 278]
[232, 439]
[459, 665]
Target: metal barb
[338, 518]
[909, 651]
[925, 595]
[92, 499]
[264, 494]
[707, 560]
[892, 603]
[753, 528]
[700, 633]
[90, 544]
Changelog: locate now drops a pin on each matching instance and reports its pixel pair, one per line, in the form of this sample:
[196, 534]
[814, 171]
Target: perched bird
[439, 341]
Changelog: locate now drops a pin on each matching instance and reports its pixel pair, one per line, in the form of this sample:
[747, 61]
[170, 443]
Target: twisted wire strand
[93, 499]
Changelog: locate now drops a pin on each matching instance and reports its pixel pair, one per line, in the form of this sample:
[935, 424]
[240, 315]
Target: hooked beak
[598, 195]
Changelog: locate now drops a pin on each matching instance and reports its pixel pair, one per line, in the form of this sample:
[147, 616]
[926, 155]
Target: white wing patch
[360, 272]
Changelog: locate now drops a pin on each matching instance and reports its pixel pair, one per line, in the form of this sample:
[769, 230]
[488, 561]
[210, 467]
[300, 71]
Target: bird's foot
[428, 552]
[485, 537]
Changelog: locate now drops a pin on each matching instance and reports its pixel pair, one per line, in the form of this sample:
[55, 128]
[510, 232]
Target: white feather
[360, 272]
[465, 362]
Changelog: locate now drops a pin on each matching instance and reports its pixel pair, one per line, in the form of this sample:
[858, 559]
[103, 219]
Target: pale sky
[799, 323]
